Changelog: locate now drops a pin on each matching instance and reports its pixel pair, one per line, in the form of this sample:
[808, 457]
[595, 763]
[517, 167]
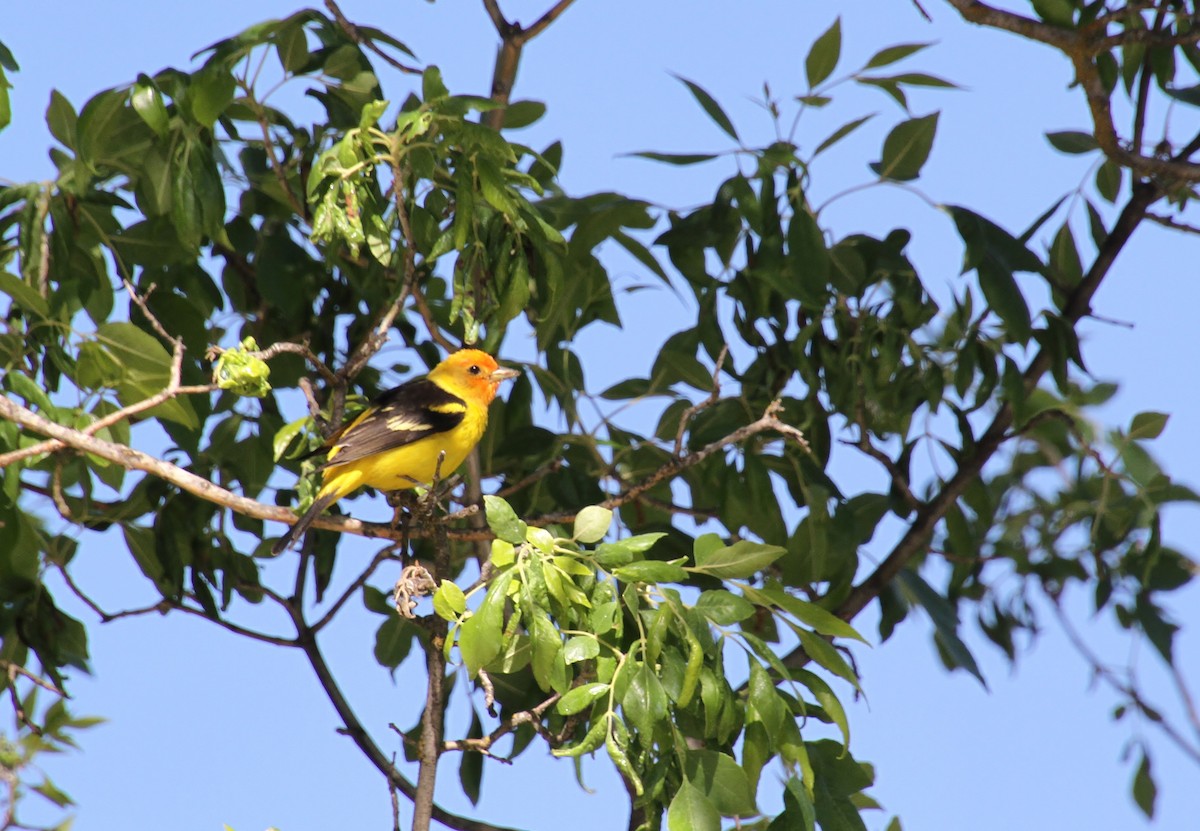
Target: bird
[397, 442]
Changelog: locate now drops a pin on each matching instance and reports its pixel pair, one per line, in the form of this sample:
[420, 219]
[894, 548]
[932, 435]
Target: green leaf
[549, 668]
[1148, 425]
[645, 701]
[1056, 12]
[51, 791]
[823, 57]
[580, 698]
[650, 571]
[719, 778]
[591, 524]
[393, 640]
[24, 295]
[145, 371]
[953, 651]
[825, 696]
[680, 159]
[1108, 180]
[711, 107]
[470, 769]
[1145, 792]
[691, 810]
[148, 103]
[821, 651]
[523, 113]
[892, 54]
[596, 735]
[481, 635]
[449, 602]
[211, 91]
[724, 608]
[292, 46]
[503, 521]
[742, 559]
[1072, 141]
[840, 133]
[906, 149]
[819, 618]
[580, 648]
[61, 118]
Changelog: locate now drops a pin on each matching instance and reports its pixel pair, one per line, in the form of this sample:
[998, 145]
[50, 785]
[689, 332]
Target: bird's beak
[503, 374]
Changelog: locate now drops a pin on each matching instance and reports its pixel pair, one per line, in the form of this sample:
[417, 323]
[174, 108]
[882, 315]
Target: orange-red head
[471, 372]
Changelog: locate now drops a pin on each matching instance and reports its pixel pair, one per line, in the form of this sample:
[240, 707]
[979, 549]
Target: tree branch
[921, 530]
[1082, 46]
[429, 748]
[307, 641]
[484, 744]
[512, 40]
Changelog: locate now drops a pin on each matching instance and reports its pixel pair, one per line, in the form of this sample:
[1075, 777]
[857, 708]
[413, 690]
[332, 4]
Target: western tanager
[395, 443]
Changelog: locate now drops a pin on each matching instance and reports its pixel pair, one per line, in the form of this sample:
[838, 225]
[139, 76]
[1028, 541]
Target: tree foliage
[677, 595]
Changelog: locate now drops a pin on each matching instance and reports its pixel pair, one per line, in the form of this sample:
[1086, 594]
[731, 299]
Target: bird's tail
[318, 507]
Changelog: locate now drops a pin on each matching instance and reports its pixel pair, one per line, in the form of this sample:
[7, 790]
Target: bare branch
[512, 40]
[532, 716]
[1174, 224]
[13, 671]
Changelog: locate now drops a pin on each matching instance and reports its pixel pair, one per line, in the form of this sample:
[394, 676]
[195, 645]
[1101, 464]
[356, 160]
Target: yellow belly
[405, 467]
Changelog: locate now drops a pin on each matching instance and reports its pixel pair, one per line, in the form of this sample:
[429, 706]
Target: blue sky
[205, 729]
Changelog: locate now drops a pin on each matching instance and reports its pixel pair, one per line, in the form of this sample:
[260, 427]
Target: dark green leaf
[945, 622]
[840, 133]
[724, 608]
[480, 638]
[522, 114]
[1148, 425]
[1072, 141]
[711, 107]
[892, 54]
[906, 148]
[676, 158]
[1145, 792]
[823, 57]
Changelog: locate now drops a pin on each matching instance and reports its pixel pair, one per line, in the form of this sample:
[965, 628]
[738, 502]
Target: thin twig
[360, 581]
[281, 347]
[355, 35]
[14, 670]
[1127, 689]
[532, 716]
[713, 398]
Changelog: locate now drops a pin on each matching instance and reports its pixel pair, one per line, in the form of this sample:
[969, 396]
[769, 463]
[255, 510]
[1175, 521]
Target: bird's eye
[474, 369]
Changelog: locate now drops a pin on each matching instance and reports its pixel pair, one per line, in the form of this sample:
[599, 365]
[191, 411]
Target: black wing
[412, 411]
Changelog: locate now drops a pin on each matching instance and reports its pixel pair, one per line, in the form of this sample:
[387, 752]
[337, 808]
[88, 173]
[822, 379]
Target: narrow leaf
[711, 107]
